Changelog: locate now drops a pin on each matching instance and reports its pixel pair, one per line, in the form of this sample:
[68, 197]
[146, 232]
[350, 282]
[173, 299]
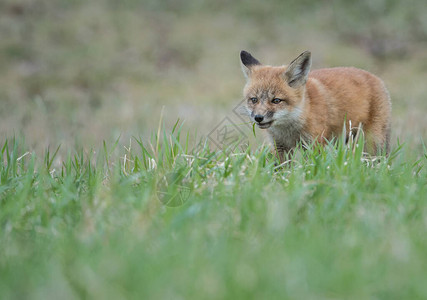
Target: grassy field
[76, 73]
[177, 223]
[104, 195]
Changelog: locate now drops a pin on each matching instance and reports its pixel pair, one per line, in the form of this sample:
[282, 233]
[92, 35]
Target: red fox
[294, 104]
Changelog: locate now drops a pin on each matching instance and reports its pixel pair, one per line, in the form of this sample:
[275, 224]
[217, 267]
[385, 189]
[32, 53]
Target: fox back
[294, 104]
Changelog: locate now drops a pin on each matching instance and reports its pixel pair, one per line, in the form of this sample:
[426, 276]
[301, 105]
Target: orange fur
[314, 105]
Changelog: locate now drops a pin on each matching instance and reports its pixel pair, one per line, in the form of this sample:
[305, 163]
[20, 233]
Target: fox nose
[259, 118]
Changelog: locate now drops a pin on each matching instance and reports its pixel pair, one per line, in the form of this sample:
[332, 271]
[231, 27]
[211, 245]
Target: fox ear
[297, 71]
[248, 61]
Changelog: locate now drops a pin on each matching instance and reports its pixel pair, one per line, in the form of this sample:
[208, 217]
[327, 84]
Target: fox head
[275, 95]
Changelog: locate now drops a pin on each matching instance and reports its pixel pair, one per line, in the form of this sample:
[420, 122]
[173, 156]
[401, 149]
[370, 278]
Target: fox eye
[253, 100]
[276, 100]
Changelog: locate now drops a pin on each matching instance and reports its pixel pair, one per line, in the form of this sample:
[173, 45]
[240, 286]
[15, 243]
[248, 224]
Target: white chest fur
[285, 136]
[287, 130]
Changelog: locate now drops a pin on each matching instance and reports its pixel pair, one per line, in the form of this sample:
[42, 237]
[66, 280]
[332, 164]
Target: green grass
[330, 224]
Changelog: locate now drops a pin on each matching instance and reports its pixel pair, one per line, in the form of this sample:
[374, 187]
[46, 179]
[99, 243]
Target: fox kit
[294, 104]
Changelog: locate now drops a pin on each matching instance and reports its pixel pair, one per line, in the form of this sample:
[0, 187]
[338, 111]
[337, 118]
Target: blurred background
[77, 72]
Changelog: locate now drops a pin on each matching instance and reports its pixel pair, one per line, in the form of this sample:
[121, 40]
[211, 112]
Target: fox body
[294, 104]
